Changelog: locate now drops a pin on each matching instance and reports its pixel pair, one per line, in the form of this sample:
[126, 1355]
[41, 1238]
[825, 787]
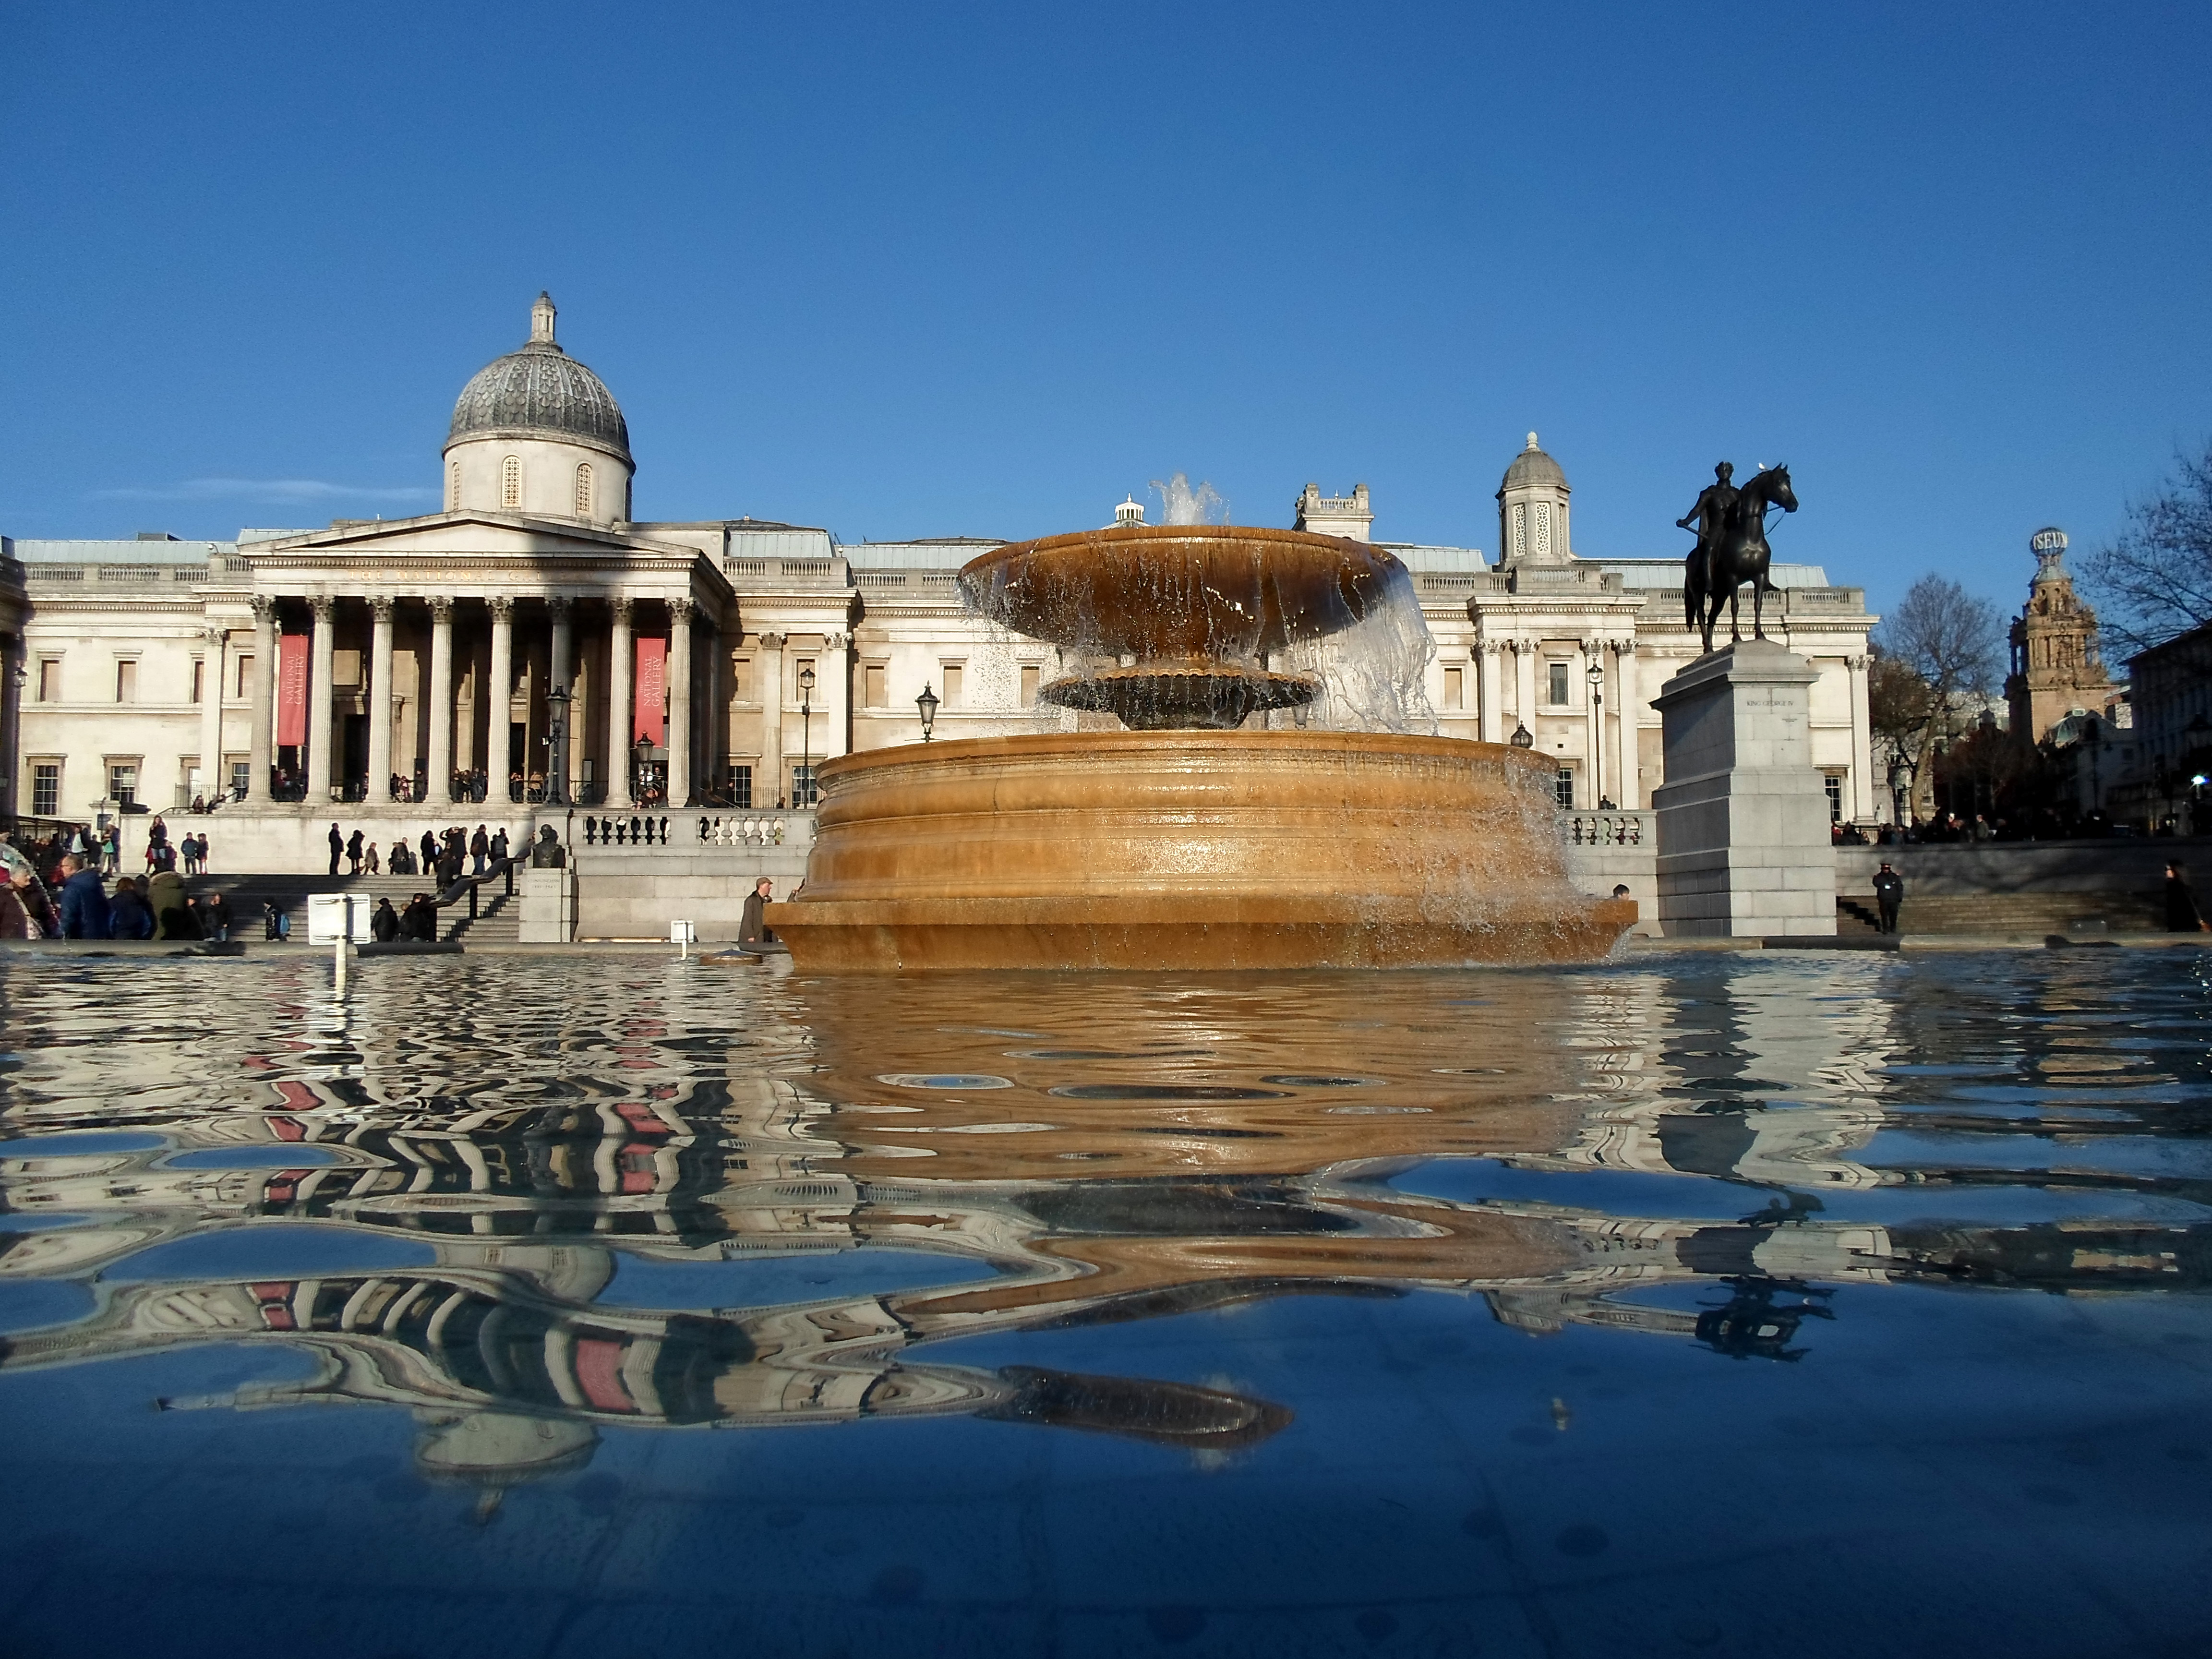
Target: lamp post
[1521, 737]
[802, 795]
[927, 705]
[641, 777]
[1594, 674]
[1902, 772]
[556, 747]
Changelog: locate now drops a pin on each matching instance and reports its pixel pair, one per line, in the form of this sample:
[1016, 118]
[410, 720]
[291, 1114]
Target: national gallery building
[389, 670]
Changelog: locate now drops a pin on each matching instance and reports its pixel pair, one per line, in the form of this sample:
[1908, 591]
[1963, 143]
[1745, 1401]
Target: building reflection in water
[1112, 1151]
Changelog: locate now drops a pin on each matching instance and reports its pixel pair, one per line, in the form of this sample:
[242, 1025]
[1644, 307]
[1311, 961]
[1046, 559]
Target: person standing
[751, 929]
[127, 914]
[1888, 893]
[337, 848]
[479, 849]
[354, 844]
[384, 924]
[2182, 915]
[499, 851]
[429, 851]
[24, 912]
[111, 849]
[84, 900]
[173, 911]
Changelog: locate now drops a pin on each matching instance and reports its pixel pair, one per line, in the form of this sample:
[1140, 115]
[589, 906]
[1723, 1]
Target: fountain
[1190, 839]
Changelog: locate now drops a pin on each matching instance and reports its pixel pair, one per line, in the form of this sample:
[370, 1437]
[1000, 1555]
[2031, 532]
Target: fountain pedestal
[1744, 845]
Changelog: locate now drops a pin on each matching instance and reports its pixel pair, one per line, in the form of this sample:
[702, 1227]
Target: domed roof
[540, 392]
[1533, 466]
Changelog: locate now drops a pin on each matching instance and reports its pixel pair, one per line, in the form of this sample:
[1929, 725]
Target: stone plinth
[1744, 844]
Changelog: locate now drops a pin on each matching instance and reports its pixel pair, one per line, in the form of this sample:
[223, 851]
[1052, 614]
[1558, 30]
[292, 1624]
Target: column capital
[324, 606]
[265, 608]
[441, 608]
[619, 608]
[772, 641]
[381, 607]
[503, 608]
[834, 641]
[560, 604]
[1856, 664]
[215, 636]
[681, 612]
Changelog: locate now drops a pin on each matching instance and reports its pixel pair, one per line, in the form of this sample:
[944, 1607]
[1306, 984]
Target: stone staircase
[250, 895]
[2034, 915]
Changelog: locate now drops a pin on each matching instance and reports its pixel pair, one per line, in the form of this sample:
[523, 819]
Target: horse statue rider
[1732, 548]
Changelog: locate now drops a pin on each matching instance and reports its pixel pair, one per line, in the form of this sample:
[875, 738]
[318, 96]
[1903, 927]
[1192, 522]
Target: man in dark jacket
[353, 853]
[127, 914]
[751, 929]
[1888, 893]
[429, 851]
[337, 848]
[384, 926]
[84, 900]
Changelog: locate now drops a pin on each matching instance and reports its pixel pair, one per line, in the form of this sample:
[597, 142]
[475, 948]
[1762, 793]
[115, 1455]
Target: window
[245, 677]
[583, 490]
[122, 782]
[803, 791]
[50, 679]
[452, 487]
[1562, 786]
[240, 772]
[741, 679]
[954, 674]
[1543, 529]
[1520, 530]
[1834, 785]
[741, 785]
[1558, 671]
[875, 685]
[200, 679]
[46, 789]
[1032, 677]
[127, 680]
[510, 481]
[1455, 688]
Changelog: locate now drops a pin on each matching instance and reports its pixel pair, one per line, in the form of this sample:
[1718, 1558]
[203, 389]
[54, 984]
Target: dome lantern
[536, 432]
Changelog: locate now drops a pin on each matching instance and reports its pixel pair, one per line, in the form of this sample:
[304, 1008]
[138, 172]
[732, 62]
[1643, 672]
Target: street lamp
[799, 796]
[1902, 772]
[556, 747]
[926, 703]
[1595, 675]
[1521, 737]
[641, 777]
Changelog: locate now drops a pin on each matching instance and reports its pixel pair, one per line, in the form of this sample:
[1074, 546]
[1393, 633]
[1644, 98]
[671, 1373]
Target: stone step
[2011, 913]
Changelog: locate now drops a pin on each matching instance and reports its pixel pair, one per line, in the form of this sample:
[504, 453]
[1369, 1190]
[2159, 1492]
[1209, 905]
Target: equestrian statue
[1732, 550]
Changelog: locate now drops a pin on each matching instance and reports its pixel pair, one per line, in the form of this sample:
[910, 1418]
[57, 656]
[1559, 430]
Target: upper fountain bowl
[1187, 594]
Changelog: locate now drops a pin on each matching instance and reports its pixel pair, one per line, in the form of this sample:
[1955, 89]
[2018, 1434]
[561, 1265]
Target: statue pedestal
[1744, 845]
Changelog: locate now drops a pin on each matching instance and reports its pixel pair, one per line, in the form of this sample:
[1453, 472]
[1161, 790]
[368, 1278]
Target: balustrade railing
[1599, 828]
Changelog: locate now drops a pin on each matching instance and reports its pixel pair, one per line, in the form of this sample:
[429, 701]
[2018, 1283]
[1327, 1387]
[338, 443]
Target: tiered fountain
[1187, 840]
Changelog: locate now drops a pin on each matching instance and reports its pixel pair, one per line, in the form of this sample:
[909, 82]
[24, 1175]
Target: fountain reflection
[1700, 1151]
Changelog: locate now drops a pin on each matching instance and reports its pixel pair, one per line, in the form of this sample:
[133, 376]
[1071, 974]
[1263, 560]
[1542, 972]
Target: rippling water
[1818, 1304]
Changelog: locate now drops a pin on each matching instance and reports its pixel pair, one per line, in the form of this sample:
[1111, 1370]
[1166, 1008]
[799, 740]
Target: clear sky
[976, 270]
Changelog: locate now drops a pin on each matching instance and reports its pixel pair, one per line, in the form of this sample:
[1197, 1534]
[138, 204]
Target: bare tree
[1944, 652]
[2154, 580]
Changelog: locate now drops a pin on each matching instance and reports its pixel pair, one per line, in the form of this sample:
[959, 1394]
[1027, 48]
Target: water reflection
[531, 1207]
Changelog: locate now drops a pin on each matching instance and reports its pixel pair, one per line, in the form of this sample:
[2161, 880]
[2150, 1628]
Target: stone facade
[2056, 669]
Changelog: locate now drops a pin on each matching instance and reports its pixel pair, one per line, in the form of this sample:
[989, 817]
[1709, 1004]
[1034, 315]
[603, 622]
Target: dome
[1533, 466]
[540, 392]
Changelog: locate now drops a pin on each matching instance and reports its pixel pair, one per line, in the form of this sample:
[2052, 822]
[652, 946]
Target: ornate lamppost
[803, 796]
[556, 747]
[641, 777]
[926, 704]
[1595, 675]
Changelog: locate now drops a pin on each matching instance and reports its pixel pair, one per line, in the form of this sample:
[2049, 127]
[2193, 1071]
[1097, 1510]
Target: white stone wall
[548, 481]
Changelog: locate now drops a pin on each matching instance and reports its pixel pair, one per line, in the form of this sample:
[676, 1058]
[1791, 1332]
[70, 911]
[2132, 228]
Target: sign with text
[291, 689]
[651, 706]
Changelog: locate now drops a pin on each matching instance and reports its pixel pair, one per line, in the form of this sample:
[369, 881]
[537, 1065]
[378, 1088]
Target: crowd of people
[448, 855]
[70, 899]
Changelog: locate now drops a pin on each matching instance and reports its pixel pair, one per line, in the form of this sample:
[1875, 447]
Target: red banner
[291, 689]
[650, 710]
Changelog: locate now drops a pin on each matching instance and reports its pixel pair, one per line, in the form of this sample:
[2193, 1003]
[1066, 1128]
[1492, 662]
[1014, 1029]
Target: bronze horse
[1739, 554]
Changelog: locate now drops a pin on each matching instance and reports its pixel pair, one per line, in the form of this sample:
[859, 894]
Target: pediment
[463, 536]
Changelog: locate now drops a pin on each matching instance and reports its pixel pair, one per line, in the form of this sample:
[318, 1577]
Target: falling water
[1180, 504]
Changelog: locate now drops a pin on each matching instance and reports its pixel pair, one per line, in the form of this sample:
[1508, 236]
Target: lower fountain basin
[1190, 850]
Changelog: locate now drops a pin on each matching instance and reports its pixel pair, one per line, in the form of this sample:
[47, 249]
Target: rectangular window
[1562, 786]
[127, 680]
[1032, 678]
[741, 679]
[875, 681]
[802, 785]
[122, 782]
[200, 679]
[46, 789]
[1558, 672]
[741, 787]
[240, 772]
[50, 679]
[245, 677]
[954, 673]
[1455, 688]
[1834, 785]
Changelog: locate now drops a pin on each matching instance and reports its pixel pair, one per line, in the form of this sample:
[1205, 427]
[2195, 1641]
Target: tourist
[337, 847]
[2182, 915]
[751, 929]
[429, 851]
[127, 914]
[402, 861]
[275, 923]
[217, 916]
[420, 921]
[84, 899]
[479, 849]
[111, 849]
[384, 923]
[1888, 893]
[354, 844]
[24, 912]
[368, 860]
[498, 849]
[172, 913]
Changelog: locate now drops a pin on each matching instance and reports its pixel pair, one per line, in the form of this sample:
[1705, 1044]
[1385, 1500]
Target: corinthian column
[1628, 709]
[680, 613]
[560, 671]
[621, 682]
[211, 715]
[1861, 742]
[320, 708]
[259, 752]
[768, 685]
[380, 698]
[440, 710]
[499, 692]
[1486, 689]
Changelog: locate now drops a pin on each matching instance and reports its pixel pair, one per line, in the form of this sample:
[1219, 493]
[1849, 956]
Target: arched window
[583, 490]
[452, 487]
[510, 481]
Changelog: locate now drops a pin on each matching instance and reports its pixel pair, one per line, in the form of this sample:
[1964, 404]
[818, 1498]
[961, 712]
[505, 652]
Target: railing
[1604, 829]
[473, 886]
[639, 829]
[751, 829]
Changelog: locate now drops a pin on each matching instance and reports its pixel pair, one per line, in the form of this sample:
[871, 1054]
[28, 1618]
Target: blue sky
[978, 270]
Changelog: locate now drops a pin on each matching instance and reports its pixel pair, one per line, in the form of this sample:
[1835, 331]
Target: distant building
[2056, 669]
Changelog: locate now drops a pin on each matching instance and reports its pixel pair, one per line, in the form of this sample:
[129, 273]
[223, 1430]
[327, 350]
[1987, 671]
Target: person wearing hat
[1888, 893]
